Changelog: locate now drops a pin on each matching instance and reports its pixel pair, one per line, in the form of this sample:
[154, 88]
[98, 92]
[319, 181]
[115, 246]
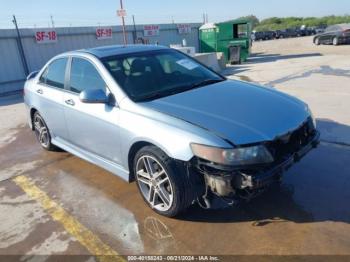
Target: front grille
[282, 148]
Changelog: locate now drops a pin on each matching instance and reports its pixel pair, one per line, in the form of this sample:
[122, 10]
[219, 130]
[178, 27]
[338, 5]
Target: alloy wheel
[154, 183]
[41, 131]
[335, 41]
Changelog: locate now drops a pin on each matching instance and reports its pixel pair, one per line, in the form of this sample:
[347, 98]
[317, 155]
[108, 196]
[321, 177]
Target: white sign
[184, 29]
[46, 36]
[121, 12]
[151, 30]
[186, 63]
[103, 33]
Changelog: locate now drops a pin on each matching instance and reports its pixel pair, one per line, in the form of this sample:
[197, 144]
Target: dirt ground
[56, 203]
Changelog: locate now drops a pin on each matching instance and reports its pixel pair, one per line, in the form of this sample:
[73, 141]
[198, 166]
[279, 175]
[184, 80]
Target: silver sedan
[152, 114]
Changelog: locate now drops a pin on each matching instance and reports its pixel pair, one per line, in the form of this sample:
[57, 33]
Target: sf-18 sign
[103, 33]
[184, 29]
[151, 30]
[46, 36]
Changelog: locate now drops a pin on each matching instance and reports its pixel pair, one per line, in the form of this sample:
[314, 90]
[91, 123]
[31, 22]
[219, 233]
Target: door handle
[70, 102]
[39, 91]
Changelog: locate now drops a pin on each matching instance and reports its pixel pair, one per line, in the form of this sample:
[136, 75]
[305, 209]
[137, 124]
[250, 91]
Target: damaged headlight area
[242, 156]
[233, 174]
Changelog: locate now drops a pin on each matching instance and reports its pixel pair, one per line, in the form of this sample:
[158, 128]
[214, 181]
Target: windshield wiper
[156, 95]
[181, 89]
[206, 82]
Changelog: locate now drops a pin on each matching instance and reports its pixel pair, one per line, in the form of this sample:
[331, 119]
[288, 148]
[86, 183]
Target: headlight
[236, 156]
[311, 116]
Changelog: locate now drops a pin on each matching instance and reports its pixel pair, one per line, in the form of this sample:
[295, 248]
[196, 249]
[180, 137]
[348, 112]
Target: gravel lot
[309, 214]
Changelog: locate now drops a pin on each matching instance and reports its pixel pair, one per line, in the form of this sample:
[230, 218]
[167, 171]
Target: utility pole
[20, 47]
[123, 21]
[52, 22]
[135, 32]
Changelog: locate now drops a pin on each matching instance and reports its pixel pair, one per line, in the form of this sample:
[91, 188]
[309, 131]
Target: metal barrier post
[20, 47]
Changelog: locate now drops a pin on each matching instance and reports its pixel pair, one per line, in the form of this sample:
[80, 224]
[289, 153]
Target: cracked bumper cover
[267, 177]
[230, 182]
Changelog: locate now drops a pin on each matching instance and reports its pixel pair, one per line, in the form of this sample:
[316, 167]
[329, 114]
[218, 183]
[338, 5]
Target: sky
[36, 13]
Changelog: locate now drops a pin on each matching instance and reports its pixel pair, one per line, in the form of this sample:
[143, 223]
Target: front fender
[170, 134]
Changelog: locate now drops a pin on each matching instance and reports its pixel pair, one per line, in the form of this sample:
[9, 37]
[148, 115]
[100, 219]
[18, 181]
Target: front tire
[317, 41]
[161, 181]
[335, 41]
[42, 133]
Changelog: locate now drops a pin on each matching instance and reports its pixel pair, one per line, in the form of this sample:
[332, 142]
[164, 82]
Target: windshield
[154, 74]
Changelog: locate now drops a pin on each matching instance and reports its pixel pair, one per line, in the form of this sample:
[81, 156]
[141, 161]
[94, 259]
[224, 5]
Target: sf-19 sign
[46, 36]
[151, 30]
[103, 33]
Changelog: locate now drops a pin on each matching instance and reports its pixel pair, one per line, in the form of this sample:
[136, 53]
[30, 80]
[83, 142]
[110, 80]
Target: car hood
[240, 112]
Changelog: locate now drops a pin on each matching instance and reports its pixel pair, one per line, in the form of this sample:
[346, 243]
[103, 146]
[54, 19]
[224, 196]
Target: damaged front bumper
[234, 185]
[267, 177]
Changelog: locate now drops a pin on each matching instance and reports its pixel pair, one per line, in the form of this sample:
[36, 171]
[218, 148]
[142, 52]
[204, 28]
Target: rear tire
[42, 133]
[162, 181]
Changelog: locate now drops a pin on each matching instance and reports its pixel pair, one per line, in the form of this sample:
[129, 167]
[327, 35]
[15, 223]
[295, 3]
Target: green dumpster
[233, 38]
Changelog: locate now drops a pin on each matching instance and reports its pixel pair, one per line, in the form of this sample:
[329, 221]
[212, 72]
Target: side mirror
[94, 96]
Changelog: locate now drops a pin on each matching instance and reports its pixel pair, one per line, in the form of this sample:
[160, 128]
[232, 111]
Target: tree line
[278, 23]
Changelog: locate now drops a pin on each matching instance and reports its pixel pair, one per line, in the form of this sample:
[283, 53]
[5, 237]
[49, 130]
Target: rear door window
[54, 74]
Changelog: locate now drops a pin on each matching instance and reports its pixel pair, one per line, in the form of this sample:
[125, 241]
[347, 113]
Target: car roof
[344, 26]
[112, 50]
[341, 26]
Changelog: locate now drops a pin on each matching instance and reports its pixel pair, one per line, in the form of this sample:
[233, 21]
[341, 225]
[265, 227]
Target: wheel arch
[135, 147]
[131, 155]
[31, 114]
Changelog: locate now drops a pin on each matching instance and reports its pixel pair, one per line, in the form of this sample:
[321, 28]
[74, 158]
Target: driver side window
[83, 75]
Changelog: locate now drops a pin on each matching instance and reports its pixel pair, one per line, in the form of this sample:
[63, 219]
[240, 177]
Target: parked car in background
[258, 36]
[157, 116]
[305, 31]
[334, 34]
[264, 35]
[292, 32]
[320, 29]
[270, 35]
[312, 31]
[280, 34]
[301, 32]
